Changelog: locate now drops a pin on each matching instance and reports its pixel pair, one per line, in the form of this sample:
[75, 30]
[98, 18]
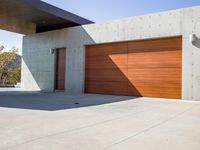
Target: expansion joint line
[148, 129]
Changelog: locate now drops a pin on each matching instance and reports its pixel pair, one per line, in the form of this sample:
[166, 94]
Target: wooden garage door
[150, 68]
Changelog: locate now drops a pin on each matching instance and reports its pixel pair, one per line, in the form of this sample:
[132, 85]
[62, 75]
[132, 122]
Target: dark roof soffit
[57, 11]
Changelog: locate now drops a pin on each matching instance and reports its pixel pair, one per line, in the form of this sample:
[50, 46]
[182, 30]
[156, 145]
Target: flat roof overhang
[35, 16]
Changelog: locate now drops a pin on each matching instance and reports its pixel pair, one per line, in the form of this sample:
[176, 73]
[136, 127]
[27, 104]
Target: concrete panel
[38, 66]
[196, 57]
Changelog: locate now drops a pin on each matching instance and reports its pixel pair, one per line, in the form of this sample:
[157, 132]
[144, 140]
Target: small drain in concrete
[76, 103]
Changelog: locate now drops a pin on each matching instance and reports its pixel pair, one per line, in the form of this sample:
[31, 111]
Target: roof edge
[43, 6]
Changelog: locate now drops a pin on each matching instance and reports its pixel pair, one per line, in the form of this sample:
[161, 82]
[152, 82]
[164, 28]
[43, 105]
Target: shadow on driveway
[54, 101]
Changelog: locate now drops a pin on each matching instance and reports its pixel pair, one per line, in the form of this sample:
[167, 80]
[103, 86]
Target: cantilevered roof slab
[35, 16]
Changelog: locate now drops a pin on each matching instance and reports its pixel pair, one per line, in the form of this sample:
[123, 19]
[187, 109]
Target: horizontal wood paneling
[155, 67]
[106, 61]
[161, 59]
[106, 49]
[151, 68]
[106, 69]
[107, 75]
[153, 45]
[116, 88]
[157, 74]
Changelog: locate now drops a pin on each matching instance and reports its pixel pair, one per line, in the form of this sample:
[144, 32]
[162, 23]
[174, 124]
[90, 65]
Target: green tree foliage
[10, 70]
[14, 76]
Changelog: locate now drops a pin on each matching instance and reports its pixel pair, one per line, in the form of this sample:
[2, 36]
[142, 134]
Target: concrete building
[155, 55]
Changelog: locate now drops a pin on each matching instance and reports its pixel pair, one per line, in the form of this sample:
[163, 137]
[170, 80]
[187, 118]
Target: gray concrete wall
[38, 63]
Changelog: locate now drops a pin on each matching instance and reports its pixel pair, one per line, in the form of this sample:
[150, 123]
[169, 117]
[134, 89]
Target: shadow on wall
[106, 73]
[107, 70]
[150, 68]
[39, 63]
[197, 43]
[55, 101]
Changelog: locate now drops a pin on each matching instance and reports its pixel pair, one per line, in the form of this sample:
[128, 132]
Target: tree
[14, 76]
[9, 70]
[1, 48]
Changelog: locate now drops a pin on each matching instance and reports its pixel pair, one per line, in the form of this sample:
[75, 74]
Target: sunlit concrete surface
[57, 121]
[10, 89]
[38, 64]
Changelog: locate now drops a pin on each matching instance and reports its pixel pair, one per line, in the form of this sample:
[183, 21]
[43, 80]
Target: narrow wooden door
[60, 69]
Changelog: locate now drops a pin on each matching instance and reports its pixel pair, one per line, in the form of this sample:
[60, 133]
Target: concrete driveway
[56, 121]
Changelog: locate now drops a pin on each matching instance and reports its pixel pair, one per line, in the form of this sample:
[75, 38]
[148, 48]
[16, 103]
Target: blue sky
[103, 10]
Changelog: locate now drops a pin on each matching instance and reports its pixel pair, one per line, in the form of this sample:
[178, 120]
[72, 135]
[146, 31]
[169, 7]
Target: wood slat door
[150, 68]
[155, 67]
[60, 69]
[106, 69]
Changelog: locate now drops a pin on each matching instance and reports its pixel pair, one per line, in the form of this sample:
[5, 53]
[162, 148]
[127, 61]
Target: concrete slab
[11, 90]
[54, 121]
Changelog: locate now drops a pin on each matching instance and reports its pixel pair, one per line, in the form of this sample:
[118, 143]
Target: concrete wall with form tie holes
[38, 62]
